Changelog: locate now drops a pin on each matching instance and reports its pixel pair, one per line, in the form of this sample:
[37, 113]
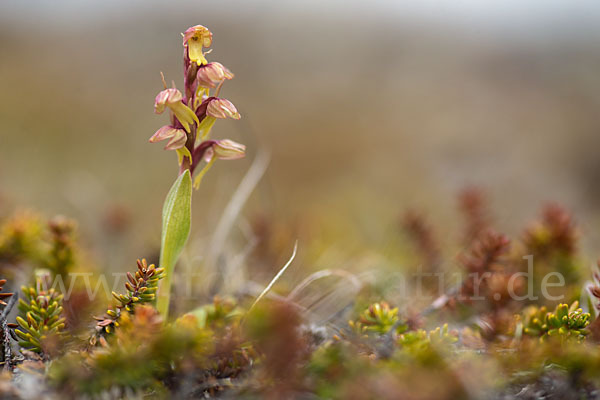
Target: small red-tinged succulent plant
[141, 289]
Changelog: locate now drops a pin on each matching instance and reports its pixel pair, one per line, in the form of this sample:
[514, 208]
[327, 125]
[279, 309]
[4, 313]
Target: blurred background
[366, 108]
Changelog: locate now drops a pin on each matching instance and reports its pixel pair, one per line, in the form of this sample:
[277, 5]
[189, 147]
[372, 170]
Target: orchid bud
[211, 74]
[222, 108]
[195, 39]
[177, 137]
[172, 98]
[226, 150]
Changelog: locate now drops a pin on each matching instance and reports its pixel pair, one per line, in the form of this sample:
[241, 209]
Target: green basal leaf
[176, 224]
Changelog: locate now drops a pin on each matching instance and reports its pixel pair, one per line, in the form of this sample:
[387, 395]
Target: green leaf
[201, 315]
[176, 224]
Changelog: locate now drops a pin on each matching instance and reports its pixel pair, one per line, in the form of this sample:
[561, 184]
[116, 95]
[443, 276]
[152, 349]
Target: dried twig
[5, 332]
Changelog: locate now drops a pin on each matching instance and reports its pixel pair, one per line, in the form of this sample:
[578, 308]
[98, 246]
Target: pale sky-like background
[366, 107]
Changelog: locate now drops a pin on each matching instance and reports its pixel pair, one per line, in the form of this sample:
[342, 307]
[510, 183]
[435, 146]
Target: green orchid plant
[193, 114]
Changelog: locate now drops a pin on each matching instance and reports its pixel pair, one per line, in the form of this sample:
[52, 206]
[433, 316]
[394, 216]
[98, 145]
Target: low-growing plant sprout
[420, 339]
[564, 322]
[193, 114]
[378, 318]
[40, 322]
[141, 288]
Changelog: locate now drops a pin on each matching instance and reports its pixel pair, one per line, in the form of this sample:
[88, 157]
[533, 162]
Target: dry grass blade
[326, 295]
[323, 274]
[276, 278]
[233, 208]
